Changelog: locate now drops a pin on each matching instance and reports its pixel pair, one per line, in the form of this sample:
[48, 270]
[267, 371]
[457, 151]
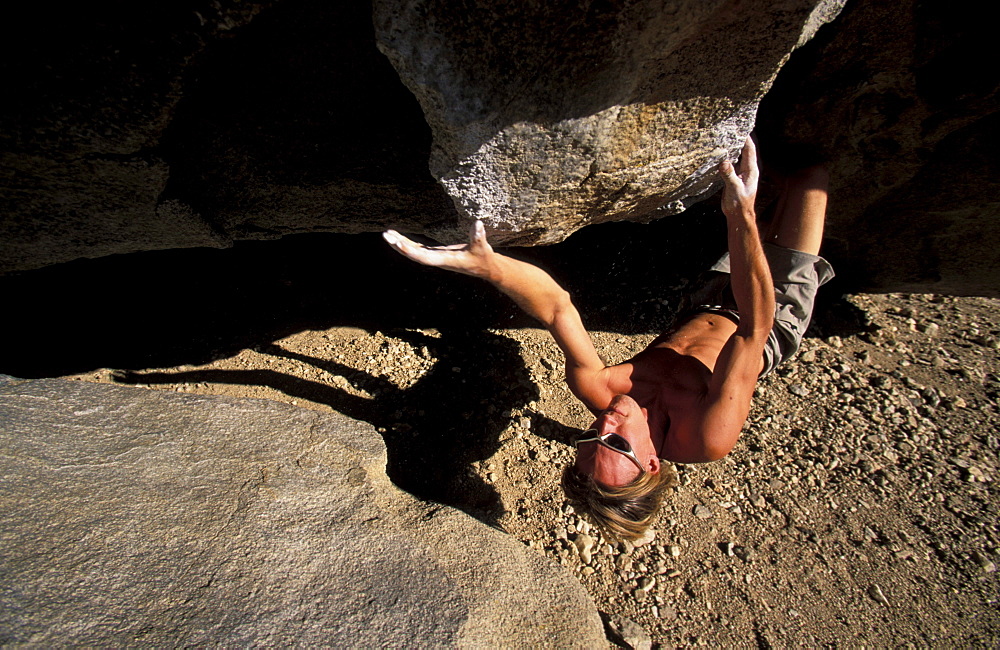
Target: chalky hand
[473, 258]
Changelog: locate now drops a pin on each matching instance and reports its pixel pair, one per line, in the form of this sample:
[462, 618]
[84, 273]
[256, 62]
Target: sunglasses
[614, 442]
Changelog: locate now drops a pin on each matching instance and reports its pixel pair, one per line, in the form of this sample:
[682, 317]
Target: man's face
[608, 467]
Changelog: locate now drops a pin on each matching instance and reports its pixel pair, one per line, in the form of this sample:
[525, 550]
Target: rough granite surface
[910, 124]
[138, 130]
[548, 116]
[133, 516]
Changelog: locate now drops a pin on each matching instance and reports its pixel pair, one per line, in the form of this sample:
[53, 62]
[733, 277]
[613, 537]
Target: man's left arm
[534, 291]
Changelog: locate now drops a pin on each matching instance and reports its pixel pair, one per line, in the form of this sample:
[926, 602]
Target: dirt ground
[859, 508]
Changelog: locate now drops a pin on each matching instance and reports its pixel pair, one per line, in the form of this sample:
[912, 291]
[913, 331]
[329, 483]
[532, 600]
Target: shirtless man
[685, 397]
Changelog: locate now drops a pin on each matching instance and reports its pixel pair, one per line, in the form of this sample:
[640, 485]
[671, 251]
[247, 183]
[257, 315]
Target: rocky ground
[859, 508]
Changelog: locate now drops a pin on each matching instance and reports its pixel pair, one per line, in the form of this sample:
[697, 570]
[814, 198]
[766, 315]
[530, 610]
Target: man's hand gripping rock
[740, 183]
[475, 258]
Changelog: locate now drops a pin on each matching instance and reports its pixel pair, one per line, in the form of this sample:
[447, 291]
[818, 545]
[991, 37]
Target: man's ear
[653, 465]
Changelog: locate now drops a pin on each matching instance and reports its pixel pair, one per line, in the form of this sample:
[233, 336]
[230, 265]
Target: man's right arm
[750, 276]
[726, 403]
[535, 292]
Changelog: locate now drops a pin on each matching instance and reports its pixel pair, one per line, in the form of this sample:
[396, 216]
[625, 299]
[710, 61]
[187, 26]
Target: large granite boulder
[166, 125]
[90, 91]
[185, 124]
[548, 116]
[172, 125]
[143, 517]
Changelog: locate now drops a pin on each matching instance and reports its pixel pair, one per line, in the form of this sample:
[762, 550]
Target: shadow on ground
[434, 430]
[189, 307]
[176, 307]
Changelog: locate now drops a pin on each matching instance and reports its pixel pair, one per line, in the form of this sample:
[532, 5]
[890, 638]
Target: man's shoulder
[594, 389]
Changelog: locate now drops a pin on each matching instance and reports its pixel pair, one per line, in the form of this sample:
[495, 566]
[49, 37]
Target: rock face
[908, 118]
[135, 516]
[548, 116]
[191, 124]
[91, 92]
[181, 126]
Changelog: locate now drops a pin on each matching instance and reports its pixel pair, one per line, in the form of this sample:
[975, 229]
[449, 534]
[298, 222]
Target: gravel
[862, 495]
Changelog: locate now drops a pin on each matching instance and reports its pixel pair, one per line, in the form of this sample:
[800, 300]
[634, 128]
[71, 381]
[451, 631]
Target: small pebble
[703, 512]
[646, 538]
[984, 563]
[876, 594]
[585, 545]
[928, 328]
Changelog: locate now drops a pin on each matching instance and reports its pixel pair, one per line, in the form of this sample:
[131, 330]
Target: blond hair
[622, 512]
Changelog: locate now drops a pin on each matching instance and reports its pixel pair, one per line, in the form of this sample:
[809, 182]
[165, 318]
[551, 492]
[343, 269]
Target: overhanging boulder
[548, 116]
[135, 129]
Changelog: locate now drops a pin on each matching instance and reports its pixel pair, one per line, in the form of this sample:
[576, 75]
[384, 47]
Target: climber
[685, 397]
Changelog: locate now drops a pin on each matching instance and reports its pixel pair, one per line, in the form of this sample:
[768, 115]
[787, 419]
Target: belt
[731, 314]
